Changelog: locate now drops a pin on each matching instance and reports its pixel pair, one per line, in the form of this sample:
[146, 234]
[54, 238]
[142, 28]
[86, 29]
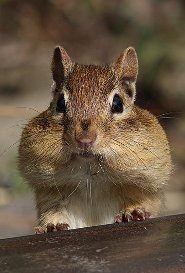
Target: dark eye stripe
[61, 105]
[117, 104]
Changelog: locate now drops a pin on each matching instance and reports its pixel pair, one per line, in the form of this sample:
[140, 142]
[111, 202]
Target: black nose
[85, 124]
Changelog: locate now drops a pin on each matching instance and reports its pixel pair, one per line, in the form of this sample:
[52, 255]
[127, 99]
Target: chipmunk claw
[39, 230]
[123, 217]
[140, 215]
[58, 227]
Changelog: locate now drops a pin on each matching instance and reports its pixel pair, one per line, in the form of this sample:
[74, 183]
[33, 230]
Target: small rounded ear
[127, 65]
[61, 65]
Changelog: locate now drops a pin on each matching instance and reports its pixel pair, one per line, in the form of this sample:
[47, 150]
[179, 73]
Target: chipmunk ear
[127, 70]
[61, 65]
[127, 65]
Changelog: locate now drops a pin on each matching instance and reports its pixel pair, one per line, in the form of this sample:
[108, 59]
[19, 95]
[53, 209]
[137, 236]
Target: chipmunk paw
[137, 214]
[51, 228]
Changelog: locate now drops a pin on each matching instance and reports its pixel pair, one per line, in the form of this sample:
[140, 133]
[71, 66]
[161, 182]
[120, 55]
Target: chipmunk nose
[85, 140]
[85, 143]
[86, 137]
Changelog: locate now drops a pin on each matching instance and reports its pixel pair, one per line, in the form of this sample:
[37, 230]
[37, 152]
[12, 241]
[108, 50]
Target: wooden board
[156, 245]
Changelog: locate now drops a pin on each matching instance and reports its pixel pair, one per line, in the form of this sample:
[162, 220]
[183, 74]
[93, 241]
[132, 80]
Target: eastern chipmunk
[94, 157]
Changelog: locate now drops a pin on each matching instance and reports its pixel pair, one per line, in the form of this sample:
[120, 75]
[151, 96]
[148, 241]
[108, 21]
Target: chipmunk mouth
[86, 154]
[83, 154]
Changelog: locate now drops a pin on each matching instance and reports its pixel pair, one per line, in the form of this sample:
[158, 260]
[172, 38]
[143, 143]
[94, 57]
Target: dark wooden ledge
[156, 245]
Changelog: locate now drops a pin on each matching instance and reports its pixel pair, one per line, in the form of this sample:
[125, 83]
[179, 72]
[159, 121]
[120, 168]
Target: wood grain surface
[156, 245]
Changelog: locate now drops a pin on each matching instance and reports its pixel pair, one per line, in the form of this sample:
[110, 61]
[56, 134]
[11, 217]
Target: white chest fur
[94, 199]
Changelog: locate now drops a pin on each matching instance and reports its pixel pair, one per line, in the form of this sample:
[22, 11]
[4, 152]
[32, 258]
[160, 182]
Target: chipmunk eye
[117, 104]
[61, 105]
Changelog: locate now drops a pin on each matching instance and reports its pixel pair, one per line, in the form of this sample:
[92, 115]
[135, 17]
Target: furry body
[125, 168]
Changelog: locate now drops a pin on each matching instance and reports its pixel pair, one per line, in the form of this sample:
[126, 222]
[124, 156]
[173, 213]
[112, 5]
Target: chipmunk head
[89, 100]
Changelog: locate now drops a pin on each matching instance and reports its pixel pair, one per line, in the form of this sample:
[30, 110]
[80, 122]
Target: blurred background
[92, 32]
